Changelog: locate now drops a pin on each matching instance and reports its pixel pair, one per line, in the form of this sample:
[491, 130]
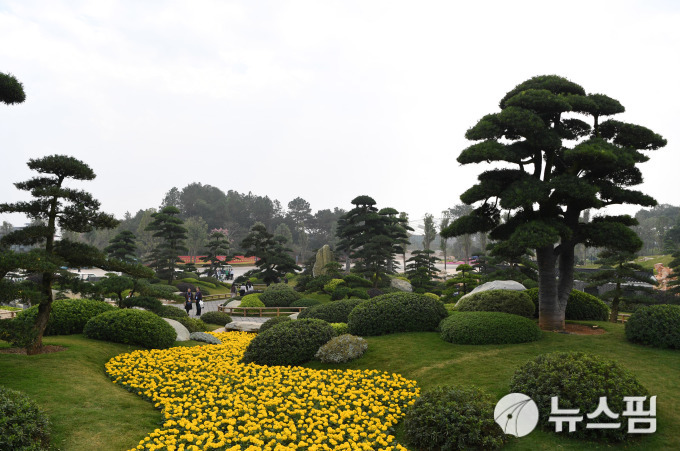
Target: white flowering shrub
[342, 349]
[202, 336]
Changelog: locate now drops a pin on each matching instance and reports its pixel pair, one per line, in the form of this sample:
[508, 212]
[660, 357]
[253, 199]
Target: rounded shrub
[342, 348]
[332, 285]
[340, 328]
[354, 281]
[184, 286]
[360, 293]
[396, 312]
[432, 295]
[655, 325]
[340, 293]
[484, 328]
[131, 326]
[533, 295]
[578, 380]
[374, 292]
[273, 322]
[279, 295]
[289, 343]
[251, 300]
[506, 301]
[452, 418]
[169, 311]
[23, 426]
[333, 312]
[192, 324]
[582, 306]
[147, 302]
[68, 316]
[305, 302]
[219, 318]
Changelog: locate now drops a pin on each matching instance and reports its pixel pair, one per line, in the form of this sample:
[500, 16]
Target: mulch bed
[45, 350]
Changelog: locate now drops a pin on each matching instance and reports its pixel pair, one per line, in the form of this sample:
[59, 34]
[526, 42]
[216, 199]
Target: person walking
[233, 290]
[187, 303]
[199, 301]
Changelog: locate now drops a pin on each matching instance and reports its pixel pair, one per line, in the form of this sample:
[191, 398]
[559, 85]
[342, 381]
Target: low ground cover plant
[23, 426]
[228, 403]
[396, 312]
[655, 325]
[68, 316]
[342, 349]
[334, 312]
[482, 328]
[578, 380]
[131, 326]
[453, 418]
[506, 301]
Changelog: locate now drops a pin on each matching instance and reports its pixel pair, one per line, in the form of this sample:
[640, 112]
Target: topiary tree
[217, 246]
[169, 227]
[273, 258]
[506, 301]
[122, 247]
[421, 270]
[559, 167]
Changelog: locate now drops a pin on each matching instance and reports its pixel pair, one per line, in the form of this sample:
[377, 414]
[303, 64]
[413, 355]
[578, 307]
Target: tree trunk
[614, 315]
[566, 275]
[43, 316]
[550, 313]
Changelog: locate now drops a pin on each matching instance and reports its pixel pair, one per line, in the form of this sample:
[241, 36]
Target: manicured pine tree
[421, 269]
[218, 245]
[122, 247]
[274, 260]
[169, 228]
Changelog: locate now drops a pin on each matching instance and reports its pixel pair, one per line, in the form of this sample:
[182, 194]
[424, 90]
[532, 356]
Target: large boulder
[323, 257]
[496, 285]
[401, 285]
[182, 332]
[243, 326]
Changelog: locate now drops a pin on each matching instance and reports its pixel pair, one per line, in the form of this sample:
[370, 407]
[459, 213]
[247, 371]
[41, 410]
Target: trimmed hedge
[506, 301]
[131, 326]
[289, 343]
[168, 311]
[279, 295]
[68, 316]
[340, 292]
[655, 325]
[453, 418]
[354, 281]
[192, 324]
[334, 312]
[360, 293]
[147, 302]
[581, 306]
[332, 285]
[273, 322]
[482, 328]
[305, 302]
[396, 312]
[23, 425]
[578, 380]
[251, 300]
[219, 318]
[340, 328]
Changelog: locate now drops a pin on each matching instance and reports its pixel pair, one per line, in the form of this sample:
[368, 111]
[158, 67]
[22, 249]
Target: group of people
[191, 298]
[242, 289]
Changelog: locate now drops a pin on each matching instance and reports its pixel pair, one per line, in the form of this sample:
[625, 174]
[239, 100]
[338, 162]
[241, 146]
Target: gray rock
[496, 285]
[202, 336]
[401, 285]
[182, 332]
[323, 257]
[243, 326]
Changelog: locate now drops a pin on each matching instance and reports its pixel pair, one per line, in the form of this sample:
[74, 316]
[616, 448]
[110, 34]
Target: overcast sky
[326, 100]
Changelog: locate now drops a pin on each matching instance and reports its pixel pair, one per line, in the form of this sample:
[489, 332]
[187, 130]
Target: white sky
[326, 100]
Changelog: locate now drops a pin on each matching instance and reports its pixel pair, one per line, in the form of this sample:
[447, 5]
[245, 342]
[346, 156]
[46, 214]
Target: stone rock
[243, 326]
[323, 257]
[202, 336]
[401, 285]
[182, 332]
[496, 285]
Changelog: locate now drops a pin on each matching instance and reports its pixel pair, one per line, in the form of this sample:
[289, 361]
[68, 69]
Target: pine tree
[122, 247]
[217, 246]
[273, 257]
[169, 228]
[421, 269]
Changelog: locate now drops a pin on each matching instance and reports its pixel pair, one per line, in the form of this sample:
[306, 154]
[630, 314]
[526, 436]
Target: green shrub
[288, 343]
[506, 301]
[251, 300]
[192, 280]
[340, 293]
[147, 302]
[273, 322]
[305, 302]
[396, 312]
[131, 326]
[433, 296]
[183, 287]
[68, 316]
[483, 328]
[340, 328]
[656, 325]
[354, 281]
[360, 293]
[18, 333]
[334, 312]
[452, 418]
[332, 285]
[23, 426]
[374, 292]
[529, 283]
[578, 380]
[192, 324]
[169, 311]
[219, 318]
[279, 295]
[581, 306]
[342, 348]
[314, 284]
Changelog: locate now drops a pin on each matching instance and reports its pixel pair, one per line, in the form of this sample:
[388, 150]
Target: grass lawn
[649, 261]
[89, 412]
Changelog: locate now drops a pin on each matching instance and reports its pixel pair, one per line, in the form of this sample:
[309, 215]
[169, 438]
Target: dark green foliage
[274, 259]
[115, 284]
[396, 312]
[316, 284]
[149, 303]
[374, 292]
[192, 324]
[452, 418]
[169, 227]
[273, 322]
[184, 286]
[169, 311]
[656, 325]
[340, 293]
[578, 380]
[483, 328]
[355, 281]
[11, 89]
[421, 270]
[586, 307]
[506, 301]
[279, 295]
[533, 295]
[360, 293]
[68, 316]
[334, 312]
[131, 326]
[17, 332]
[122, 247]
[305, 302]
[23, 425]
[217, 246]
[219, 318]
[289, 343]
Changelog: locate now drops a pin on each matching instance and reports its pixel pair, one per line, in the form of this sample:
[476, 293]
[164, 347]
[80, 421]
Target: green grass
[649, 261]
[89, 412]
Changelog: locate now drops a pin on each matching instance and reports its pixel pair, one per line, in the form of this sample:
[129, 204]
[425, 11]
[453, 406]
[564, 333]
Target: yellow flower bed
[211, 401]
